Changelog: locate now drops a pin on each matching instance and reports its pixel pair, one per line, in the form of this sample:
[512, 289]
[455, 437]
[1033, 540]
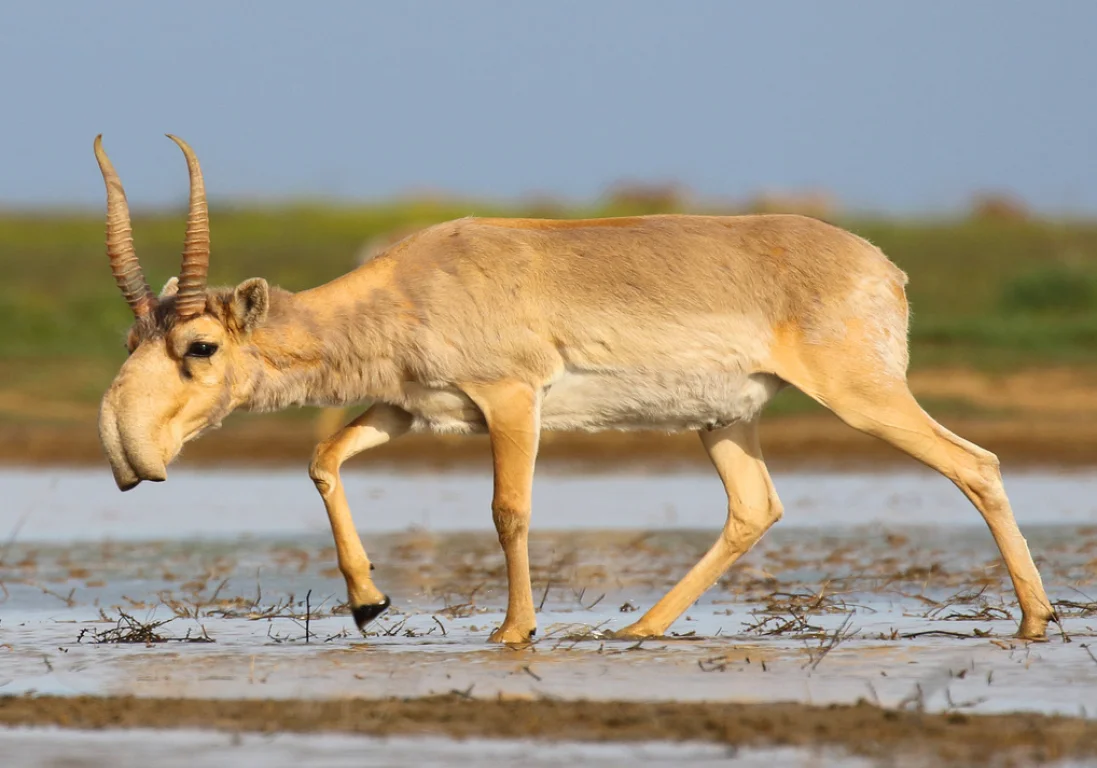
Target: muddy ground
[862, 729]
[810, 440]
[868, 633]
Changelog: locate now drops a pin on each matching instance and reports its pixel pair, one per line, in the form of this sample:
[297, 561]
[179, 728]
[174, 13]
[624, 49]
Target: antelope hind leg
[753, 507]
[892, 414]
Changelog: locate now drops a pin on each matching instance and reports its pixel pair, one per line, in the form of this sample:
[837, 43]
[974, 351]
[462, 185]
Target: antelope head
[188, 347]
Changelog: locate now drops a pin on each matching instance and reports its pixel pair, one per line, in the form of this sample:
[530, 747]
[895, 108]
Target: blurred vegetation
[991, 290]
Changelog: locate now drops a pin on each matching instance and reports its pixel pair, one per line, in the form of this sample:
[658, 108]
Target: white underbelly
[670, 401]
[615, 400]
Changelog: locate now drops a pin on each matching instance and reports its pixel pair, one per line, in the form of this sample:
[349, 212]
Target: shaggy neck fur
[309, 352]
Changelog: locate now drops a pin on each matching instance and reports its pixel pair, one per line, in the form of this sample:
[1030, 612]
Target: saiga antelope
[512, 326]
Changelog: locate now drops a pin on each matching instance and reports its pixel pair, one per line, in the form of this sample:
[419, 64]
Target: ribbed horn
[120, 251]
[191, 299]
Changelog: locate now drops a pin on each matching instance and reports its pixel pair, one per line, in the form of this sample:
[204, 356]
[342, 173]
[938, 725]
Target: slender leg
[753, 507]
[375, 427]
[892, 414]
[512, 411]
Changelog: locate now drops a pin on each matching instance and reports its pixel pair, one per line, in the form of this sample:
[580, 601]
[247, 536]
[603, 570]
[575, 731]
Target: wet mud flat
[865, 633]
[862, 730]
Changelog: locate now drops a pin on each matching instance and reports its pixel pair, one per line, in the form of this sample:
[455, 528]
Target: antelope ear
[171, 287]
[250, 302]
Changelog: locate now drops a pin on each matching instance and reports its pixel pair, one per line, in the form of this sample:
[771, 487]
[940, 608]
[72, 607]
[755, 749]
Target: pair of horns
[191, 297]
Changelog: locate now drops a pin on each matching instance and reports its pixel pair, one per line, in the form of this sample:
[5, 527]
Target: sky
[891, 106]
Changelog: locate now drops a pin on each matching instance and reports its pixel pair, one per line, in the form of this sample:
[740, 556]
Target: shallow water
[79, 505]
[232, 557]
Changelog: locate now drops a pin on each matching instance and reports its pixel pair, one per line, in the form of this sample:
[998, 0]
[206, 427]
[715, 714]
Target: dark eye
[201, 349]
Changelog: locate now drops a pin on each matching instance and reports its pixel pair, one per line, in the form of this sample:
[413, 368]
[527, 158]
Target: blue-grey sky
[892, 106]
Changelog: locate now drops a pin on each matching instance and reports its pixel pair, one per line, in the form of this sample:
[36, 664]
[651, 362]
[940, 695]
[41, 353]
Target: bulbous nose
[132, 455]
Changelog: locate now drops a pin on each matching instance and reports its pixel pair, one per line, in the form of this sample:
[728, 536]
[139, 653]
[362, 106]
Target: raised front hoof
[512, 635]
[364, 614]
[634, 632]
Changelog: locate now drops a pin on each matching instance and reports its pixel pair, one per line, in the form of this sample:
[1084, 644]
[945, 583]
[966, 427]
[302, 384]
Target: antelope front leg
[375, 427]
[513, 414]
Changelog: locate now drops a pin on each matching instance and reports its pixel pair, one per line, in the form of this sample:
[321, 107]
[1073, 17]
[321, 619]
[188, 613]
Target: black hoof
[364, 614]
